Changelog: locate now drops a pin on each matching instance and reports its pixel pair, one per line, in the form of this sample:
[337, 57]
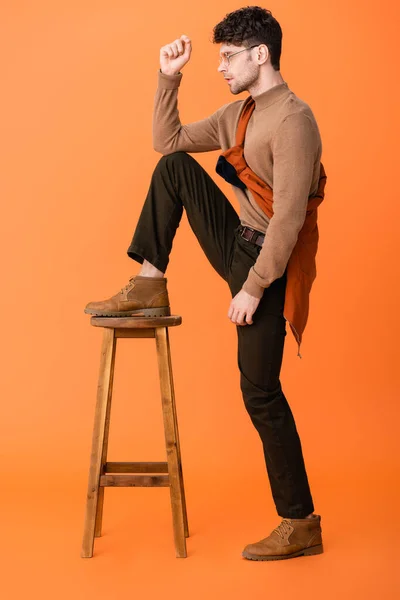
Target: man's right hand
[174, 56]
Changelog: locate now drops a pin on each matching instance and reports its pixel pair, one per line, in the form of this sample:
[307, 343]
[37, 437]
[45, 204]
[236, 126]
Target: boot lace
[284, 528]
[128, 286]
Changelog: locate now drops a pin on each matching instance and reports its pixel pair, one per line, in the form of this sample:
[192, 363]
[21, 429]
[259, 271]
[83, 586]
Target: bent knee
[174, 157]
[264, 390]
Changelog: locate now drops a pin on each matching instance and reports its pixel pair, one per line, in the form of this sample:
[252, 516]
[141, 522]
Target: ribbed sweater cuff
[169, 82]
[254, 285]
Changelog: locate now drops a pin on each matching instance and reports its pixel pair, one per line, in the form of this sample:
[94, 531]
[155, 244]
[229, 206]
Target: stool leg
[95, 493]
[178, 445]
[170, 429]
[100, 497]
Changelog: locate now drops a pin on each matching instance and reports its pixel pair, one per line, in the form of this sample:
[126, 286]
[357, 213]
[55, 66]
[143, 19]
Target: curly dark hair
[248, 26]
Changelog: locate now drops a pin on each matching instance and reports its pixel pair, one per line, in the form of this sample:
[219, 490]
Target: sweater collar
[270, 96]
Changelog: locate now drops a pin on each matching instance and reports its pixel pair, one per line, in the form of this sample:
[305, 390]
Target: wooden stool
[101, 472]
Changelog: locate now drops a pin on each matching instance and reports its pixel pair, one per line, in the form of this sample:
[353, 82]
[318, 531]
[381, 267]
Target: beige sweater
[282, 146]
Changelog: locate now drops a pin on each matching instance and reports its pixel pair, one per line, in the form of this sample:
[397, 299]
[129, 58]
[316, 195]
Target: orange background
[76, 159]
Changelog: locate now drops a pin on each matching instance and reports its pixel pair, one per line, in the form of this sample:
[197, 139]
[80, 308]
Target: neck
[265, 82]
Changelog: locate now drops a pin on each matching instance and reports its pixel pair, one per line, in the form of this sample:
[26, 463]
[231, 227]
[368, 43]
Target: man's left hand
[242, 308]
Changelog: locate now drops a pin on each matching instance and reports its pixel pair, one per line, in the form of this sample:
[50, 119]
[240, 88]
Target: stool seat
[104, 473]
[136, 322]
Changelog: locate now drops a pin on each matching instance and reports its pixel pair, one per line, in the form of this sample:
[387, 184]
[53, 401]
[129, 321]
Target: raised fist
[174, 56]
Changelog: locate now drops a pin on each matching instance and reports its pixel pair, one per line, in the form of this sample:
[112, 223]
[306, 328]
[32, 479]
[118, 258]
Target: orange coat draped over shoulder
[301, 267]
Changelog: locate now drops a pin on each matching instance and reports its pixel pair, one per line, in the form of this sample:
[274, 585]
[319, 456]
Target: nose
[221, 67]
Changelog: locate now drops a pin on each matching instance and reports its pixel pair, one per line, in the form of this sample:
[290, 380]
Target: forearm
[166, 121]
[295, 151]
[169, 135]
[280, 239]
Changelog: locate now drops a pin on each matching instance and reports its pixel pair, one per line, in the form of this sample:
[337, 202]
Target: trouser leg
[260, 351]
[178, 182]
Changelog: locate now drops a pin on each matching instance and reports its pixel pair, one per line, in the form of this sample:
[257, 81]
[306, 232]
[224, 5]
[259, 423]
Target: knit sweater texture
[282, 146]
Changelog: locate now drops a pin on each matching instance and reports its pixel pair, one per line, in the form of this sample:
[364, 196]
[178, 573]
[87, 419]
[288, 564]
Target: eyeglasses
[225, 58]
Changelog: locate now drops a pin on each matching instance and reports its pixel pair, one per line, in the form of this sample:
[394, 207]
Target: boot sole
[161, 311]
[306, 552]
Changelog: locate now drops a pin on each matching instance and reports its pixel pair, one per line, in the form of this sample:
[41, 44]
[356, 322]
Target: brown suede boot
[293, 537]
[141, 297]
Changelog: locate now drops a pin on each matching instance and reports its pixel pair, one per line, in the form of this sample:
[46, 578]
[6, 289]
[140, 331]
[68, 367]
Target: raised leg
[180, 183]
[95, 494]
[171, 441]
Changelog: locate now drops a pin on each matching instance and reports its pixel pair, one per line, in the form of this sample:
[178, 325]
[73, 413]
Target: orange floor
[136, 556]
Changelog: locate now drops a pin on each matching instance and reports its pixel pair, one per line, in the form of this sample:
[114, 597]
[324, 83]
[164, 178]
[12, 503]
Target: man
[283, 147]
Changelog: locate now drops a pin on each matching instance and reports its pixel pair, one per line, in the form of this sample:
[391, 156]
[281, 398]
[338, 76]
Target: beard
[244, 81]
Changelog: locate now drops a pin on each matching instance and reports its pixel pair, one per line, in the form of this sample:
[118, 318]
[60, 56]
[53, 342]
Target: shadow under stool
[104, 474]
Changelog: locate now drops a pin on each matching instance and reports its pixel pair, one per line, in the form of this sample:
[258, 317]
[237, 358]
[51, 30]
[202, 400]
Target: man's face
[241, 72]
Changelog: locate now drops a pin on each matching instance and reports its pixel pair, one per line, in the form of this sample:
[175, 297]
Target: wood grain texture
[136, 322]
[95, 494]
[104, 474]
[171, 441]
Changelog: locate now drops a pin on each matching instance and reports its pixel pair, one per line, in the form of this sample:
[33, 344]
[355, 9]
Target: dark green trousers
[179, 182]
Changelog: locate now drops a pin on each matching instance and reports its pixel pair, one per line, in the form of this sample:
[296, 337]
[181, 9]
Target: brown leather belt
[251, 235]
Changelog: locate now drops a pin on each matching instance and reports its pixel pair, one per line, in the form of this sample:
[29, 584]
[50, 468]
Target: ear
[263, 53]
